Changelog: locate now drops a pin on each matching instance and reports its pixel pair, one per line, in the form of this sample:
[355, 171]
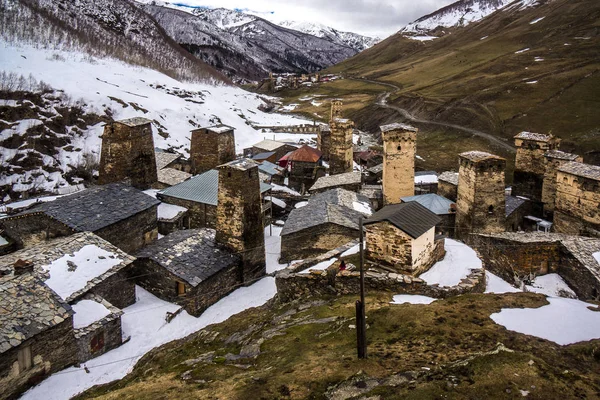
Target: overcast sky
[368, 17]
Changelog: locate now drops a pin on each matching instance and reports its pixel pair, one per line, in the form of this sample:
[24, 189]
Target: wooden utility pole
[361, 326]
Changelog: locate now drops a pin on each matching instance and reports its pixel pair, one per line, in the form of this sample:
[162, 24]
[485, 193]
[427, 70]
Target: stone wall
[388, 245]
[199, 215]
[292, 286]
[481, 201]
[399, 149]
[209, 149]
[128, 155]
[447, 190]
[529, 167]
[51, 350]
[340, 150]
[101, 336]
[549, 185]
[118, 289]
[132, 233]
[324, 142]
[577, 209]
[30, 229]
[304, 174]
[308, 243]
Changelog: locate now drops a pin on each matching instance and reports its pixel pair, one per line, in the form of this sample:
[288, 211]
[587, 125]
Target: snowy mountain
[458, 14]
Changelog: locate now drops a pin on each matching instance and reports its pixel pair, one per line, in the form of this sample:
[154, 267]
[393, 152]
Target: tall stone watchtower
[529, 163]
[340, 146]
[336, 109]
[211, 146]
[481, 199]
[128, 153]
[324, 140]
[399, 149]
[239, 215]
[554, 159]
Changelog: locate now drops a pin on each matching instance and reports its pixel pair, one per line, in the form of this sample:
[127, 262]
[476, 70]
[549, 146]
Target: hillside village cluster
[190, 231]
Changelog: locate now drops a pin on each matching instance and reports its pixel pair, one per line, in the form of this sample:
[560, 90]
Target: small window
[24, 358]
[250, 174]
[399, 148]
[229, 174]
[97, 342]
[490, 209]
[180, 288]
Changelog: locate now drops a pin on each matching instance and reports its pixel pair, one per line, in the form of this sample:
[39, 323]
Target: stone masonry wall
[128, 155]
[549, 185]
[133, 233]
[577, 209]
[107, 328]
[118, 289]
[399, 149]
[324, 143]
[389, 246]
[529, 167]
[340, 150]
[481, 200]
[52, 351]
[31, 229]
[200, 215]
[447, 190]
[210, 149]
[311, 242]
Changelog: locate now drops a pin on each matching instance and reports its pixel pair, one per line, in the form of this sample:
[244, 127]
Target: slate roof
[135, 121]
[581, 169]
[220, 128]
[27, 307]
[305, 154]
[397, 126]
[164, 158]
[376, 169]
[513, 203]
[340, 197]
[242, 164]
[98, 207]
[347, 178]
[203, 188]
[171, 176]
[411, 218]
[561, 155]
[268, 145]
[192, 255]
[479, 156]
[435, 203]
[449, 176]
[538, 137]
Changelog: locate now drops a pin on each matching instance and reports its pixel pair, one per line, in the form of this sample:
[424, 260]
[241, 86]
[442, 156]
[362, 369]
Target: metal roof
[305, 154]
[269, 168]
[263, 155]
[435, 203]
[411, 218]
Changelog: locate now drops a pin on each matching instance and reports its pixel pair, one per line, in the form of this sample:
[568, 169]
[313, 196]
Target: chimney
[22, 267]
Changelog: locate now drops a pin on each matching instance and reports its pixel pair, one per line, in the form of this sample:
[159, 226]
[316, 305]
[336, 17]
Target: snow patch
[535, 21]
[361, 207]
[460, 259]
[551, 285]
[424, 179]
[495, 284]
[323, 265]
[411, 299]
[522, 50]
[87, 312]
[273, 249]
[169, 211]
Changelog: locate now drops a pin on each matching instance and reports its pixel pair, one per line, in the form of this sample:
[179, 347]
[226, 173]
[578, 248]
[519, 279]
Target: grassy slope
[415, 352]
[481, 83]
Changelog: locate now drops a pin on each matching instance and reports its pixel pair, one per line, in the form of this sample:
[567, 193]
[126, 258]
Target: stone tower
[554, 159]
[239, 215]
[324, 140]
[211, 146]
[399, 149]
[336, 109]
[340, 146]
[529, 164]
[128, 153]
[481, 199]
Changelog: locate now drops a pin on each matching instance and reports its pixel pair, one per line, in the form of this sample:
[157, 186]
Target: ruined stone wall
[399, 149]
[324, 143]
[311, 242]
[239, 223]
[200, 215]
[447, 190]
[108, 329]
[481, 200]
[292, 286]
[132, 233]
[210, 149]
[52, 351]
[551, 166]
[340, 150]
[30, 229]
[577, 208]
[128, 155]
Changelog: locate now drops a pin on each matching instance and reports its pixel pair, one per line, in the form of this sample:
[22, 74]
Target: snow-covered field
[273, 249]
[460, 259]
[412, 299]
[145, 323]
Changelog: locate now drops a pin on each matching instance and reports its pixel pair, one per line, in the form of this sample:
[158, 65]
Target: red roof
[305, 154]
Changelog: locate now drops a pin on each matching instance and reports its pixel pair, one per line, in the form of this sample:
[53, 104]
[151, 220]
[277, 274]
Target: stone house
[171, 169]
[374, 174]
[304, 166]
[517, 208]
[368, 158]
[170, 159]
[399, 149]
[481, 201]
[118, 213]
[265, 146]
[448, 185]
[402, 237]
[444, 208]
[211, 146]
[36, 333]
[351, 181]
[271, 173]
[577, 208]
[553, 160]
[329, 220]
[127, 153]
[188, 268]
[199, 195]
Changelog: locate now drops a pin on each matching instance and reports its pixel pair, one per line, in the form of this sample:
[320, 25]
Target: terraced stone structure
[481, 202]
[553, 160]
[211, 146]
[189, 268]
[529, 164]
[340, 150]
[399, 149]
[128, 153]
[239, 222]
[577, 208]
[36, 333]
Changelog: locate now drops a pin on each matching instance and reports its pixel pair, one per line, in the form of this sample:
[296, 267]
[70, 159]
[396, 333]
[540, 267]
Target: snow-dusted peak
[224, 18]
[354, 40]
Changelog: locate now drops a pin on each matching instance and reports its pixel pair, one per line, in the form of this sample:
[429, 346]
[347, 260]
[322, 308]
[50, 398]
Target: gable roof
[98, 207]
[305, 154]
[269, 145]
[192, 255]
[164, 158]
[269, 168]
[512, 204]
[263, 155]
[171, 176]
[347, 178]
[411, 218]
[581, 169]
[435, 203]
[449, 176]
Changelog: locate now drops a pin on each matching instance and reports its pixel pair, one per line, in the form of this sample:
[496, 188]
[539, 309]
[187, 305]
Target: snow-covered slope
[354, 40]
